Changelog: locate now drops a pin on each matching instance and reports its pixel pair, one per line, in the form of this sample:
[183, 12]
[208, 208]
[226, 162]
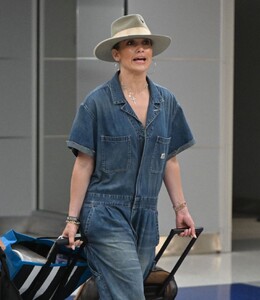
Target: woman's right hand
[70, 232]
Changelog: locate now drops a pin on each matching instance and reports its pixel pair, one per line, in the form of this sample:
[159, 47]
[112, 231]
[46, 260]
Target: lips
[140, 59]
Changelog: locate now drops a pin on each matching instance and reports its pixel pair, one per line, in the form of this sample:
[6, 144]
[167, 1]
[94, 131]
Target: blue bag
[43, 268]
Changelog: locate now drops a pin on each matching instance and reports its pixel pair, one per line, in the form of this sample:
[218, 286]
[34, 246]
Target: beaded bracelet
[73, 220]
[180, 206]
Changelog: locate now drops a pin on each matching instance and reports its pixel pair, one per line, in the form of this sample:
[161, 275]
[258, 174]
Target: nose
[140, 47]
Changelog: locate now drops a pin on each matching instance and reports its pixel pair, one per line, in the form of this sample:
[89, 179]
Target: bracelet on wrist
[180, 206]
[73, 220]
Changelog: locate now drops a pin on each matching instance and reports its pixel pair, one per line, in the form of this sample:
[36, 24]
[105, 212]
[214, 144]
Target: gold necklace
[131, 94]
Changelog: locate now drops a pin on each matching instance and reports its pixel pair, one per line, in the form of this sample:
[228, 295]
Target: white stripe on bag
[72, 272]
[47, 281]
[30, 279]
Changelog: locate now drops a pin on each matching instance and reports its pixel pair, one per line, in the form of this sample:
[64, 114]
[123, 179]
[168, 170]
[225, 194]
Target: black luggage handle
[172, 233]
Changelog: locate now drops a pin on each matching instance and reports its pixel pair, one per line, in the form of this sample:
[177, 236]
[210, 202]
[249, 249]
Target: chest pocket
[116, 153]
[160, 154]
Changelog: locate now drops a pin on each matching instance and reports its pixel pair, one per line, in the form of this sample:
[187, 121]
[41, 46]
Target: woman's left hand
[184, 220]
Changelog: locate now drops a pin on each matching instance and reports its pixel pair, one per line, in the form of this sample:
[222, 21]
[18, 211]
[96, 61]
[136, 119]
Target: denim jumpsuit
[119, 213]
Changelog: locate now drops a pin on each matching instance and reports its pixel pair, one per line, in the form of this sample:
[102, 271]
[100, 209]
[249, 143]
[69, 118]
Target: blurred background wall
[47, 67]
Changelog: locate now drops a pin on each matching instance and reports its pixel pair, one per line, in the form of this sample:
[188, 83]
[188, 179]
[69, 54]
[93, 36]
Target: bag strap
[78, 236]
[41, 276]
[172, 233]
[60, 288]
[64, 290]
[45, 270]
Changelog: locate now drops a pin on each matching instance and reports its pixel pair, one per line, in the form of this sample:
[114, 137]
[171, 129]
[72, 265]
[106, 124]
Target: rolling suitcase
[159, 284]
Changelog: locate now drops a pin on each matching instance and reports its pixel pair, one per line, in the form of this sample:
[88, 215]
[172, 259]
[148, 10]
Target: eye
[130, 42]
[147, 42]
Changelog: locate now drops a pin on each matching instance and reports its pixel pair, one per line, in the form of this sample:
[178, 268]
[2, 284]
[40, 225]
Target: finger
[78, 243]
[193, 232]
[72, 242]
[185, 233]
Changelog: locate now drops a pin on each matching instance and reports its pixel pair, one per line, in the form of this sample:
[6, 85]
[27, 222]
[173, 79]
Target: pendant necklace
[131, 94]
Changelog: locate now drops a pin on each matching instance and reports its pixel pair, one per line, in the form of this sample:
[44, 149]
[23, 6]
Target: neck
[133, 82]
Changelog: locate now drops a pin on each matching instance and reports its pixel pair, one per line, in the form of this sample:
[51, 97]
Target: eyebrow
[133, 39]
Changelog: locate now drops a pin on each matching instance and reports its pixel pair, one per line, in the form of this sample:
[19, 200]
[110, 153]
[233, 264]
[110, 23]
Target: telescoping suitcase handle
[172, 233]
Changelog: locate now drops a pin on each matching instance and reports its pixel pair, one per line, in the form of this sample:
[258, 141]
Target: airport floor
[225, 276]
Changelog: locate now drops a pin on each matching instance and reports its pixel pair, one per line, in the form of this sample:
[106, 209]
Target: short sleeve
[83, 132]
[181, 134]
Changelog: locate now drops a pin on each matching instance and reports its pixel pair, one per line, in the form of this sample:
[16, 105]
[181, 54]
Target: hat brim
[103, 50]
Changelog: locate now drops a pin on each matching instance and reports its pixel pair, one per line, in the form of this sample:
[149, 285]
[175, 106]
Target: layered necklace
[131, 94]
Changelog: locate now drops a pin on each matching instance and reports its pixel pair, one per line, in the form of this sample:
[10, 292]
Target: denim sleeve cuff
[76, 148]
[182, 148]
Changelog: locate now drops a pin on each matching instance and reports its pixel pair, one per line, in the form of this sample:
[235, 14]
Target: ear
[115, 55]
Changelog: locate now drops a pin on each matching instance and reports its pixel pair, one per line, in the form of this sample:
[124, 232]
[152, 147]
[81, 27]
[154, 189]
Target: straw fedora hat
[130, 27]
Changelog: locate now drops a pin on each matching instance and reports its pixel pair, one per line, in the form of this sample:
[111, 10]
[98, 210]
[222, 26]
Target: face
[134, 55]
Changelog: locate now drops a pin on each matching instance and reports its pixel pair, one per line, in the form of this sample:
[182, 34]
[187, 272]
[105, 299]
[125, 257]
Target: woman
[126, 136]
